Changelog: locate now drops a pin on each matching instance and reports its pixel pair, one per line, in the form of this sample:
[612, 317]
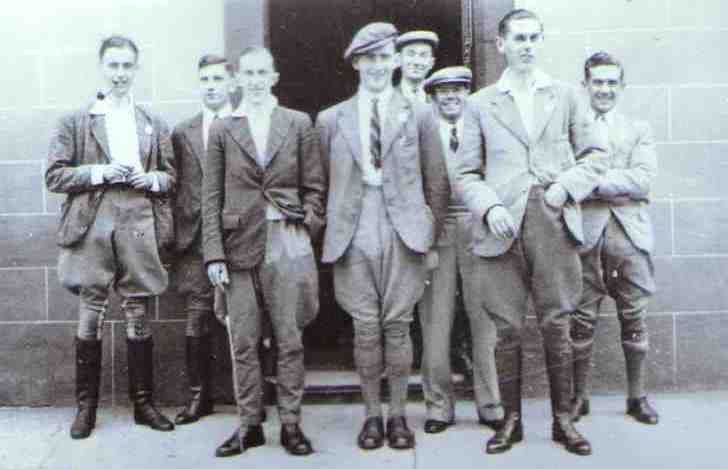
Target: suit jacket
[236, 189]
[632, 168]
[189, 152]
[414, 176]
[500, 161]
[80, 140]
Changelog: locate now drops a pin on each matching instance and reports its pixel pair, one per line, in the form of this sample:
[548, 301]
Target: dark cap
[370, 37]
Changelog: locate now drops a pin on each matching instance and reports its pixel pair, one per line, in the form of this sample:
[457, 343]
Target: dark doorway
[308, 39]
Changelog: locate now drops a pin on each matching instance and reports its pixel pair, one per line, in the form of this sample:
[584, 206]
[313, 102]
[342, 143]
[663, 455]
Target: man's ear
[499, 44]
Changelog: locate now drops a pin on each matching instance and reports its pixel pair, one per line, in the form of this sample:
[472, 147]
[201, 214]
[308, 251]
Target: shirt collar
[101, 107]
[540, 80]
[384, 97]
[267, 108]
[608, 116]
[208, 114]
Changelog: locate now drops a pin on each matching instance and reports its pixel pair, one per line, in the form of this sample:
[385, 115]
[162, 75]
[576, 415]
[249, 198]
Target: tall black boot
[582, 348]
[141, 385]
[560, 373]
[198, 371]
[88, 376]
[510, 430]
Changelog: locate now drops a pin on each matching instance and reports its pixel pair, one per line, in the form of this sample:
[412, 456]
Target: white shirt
[259, 123]
[372, 176]
[602, 123]
[208, 115]
[524, 98]
[418, 94]
[121, 131]
[450, 156]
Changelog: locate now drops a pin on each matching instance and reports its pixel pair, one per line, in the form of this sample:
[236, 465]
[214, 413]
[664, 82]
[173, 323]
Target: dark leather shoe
[563, 431]
[371, 435]
[84, 423]
[494, 425]
[642, 411]
[294, 441]
[147, 414]
[399, 436]
[231, 447]
[580, 407]
[509, 433]
[436, 426]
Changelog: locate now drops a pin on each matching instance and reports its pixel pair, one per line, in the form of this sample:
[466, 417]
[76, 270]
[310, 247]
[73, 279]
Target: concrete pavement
[690, 435]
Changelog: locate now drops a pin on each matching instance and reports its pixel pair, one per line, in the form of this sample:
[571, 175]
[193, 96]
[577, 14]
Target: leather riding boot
[510, 430]
[88, 376]
[198, 371]
[582, 341]
[558, 362]
[141, 385]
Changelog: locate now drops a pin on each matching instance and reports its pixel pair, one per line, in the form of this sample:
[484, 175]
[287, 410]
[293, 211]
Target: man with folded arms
[618, 240]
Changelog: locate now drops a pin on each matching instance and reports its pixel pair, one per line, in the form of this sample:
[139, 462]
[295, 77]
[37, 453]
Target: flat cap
[459, 75]
[370, 37]
[418, 36]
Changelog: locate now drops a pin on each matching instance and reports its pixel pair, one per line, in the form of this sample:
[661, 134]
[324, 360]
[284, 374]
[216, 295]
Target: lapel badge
[403, 117]
[550, 104]
[148, 130]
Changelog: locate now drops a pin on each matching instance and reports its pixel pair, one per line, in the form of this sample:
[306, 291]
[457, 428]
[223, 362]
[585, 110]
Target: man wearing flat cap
[417, 52]
[388, 192]
[452, 278]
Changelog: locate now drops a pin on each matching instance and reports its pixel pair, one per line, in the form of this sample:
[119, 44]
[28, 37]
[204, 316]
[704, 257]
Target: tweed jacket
[414, 176]
[500, 162]
[80, 140]
[632, 168]
[236, 189]
[189, 153]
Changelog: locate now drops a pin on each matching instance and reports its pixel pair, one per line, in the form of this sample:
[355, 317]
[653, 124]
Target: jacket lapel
[349, 124]
[280, 124]
[98, 130]
[144, 134]
[239, 130]
[398, 113]
[193, 136]
[544, 103]
[506, 112]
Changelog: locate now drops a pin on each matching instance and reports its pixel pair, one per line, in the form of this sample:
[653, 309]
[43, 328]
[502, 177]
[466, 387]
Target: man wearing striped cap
[417, 52]
[449, 89]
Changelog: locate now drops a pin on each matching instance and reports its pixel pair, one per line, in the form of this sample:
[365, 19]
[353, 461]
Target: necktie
[601, 129]
[375, 143]
[454, 142]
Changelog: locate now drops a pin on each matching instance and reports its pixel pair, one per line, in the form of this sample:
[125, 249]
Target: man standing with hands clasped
[388, 193]
[263, 187]
[522, 174]
[114, 162]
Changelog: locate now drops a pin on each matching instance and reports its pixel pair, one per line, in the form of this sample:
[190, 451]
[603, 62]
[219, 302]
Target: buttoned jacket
[236, 189]
[189, 153]
[414, 177]
[632, 166]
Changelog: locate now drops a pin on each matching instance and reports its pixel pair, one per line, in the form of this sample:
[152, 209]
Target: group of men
[421, 193]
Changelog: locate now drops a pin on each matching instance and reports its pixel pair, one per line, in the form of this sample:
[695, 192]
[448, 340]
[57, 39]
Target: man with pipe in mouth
[114, 162]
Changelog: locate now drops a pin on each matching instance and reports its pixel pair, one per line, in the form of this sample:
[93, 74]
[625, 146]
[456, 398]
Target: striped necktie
[454, 142]
[375, 142]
